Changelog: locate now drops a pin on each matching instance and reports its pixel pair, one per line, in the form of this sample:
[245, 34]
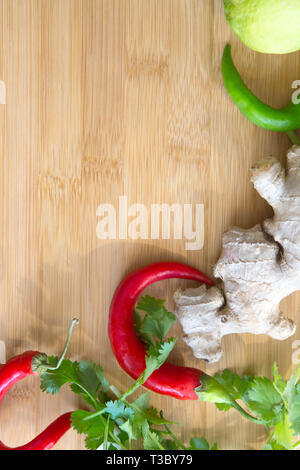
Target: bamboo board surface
[106, 98]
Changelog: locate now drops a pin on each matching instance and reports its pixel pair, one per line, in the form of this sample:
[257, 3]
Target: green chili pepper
[281, 120]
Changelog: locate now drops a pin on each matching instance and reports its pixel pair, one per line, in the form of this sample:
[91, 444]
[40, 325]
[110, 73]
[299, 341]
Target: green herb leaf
[82, 421]
[117, 409]
[85, 423]
[283, 433]
[85, 379]
[157, 354]
[276, 404]
[142, 402]
[53, 380]
[264, 401]
[273, 445]
[157, 321]
[129, 429]
[294, 410]
[200, 443]
[292, 398]
[170, 445]
[278, 381]
[152, 440]
[89, 378]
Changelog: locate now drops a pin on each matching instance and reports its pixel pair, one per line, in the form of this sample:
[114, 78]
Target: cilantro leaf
[157, 354]
[142, 402]
[264, 401]
[129, 428]
[157, 321]
[294, 410]
[272, 444]
[278, 381]
[200, 443]
[152, 440]
[276, 404]
[155, 357]
[85, 423]
[89, 378]
[152, 415]
[283, 433]
[85, 379]
[82, 421]
[237, 386]
[92, 375]
[214, 446]
[53, 380]
[170, 445]
[292, 396]
[117, 409]
[94, 439]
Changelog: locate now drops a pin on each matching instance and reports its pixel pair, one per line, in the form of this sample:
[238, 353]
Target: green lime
[270, 26]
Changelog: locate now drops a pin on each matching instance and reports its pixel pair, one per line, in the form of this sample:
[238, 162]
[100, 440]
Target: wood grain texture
[122, 97]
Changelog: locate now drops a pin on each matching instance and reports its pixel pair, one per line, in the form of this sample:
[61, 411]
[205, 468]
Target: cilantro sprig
[272, 403]
[112, 422]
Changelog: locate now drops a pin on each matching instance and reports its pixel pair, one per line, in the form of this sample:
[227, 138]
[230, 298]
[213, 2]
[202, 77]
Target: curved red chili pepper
[19, 368]
[176, 381]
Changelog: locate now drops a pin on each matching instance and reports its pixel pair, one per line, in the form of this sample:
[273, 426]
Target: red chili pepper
[19, 368]
[176, 381]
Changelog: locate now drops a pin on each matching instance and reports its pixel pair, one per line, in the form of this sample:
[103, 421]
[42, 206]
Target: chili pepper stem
[293, 137]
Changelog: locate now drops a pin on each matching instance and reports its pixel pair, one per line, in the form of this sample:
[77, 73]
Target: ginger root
[258, 268]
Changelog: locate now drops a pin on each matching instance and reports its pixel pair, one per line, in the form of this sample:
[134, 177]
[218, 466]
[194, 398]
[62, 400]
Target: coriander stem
[74, 322]
[174, 437]
[114, 438]
[94, 415]
[115, 391]
[95, 404]
[106, 433]
[244, 413]
[111, 434]
[134, 387]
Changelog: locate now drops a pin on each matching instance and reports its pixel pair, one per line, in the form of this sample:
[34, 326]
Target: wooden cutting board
[110, 98]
